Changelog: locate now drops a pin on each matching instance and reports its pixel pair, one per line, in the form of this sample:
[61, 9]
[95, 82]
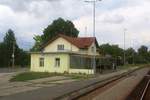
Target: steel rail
[145, 89]
[75, 94]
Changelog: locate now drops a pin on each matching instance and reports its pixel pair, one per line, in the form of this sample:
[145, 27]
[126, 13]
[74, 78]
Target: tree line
[132, 56]
[7, 47]
[61, 26]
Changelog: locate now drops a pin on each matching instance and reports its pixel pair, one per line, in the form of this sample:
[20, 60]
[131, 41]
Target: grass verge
[132, 65]
[25, 76]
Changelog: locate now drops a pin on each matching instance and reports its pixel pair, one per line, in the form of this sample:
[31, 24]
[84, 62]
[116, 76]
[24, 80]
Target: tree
[148, 55]
[6, 51]
[143, 54]
[9, 41]
[112, 50]
[143, 50]
[130, 55]
[2, 56]
[140, 59]
[58, 26]
[38, 43]
[22, 58]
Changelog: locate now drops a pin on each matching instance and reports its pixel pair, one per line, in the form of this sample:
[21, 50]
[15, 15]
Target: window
[57, 62]
[60, 47]
[92, 49]
[83, 49]
[41, 62]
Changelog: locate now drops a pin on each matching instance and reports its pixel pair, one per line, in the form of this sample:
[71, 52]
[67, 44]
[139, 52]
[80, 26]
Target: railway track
[142, 90]
[92, 90]
[91, 94]
[145, 92]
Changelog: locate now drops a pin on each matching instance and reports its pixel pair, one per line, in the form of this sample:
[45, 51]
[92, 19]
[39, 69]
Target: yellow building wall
[90, 52]
[49, 63]
[52, 47]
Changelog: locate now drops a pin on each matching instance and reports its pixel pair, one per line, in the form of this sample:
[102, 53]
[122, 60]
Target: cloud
[29, 17]
[134, 16]
[23, 5]
[113, 19]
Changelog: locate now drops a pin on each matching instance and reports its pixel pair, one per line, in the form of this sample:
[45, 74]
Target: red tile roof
[80, 42]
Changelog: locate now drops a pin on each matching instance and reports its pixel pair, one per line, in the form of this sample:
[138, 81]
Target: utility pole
[94, 3]
[85, 34]
[133, 58]
[124, 57]
[71, 36]
[13, 55]
[133, 53]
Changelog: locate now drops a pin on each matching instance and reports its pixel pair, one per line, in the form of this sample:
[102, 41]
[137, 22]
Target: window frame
[60, 47]
[57, 62]
[93, 49]
[41, 62]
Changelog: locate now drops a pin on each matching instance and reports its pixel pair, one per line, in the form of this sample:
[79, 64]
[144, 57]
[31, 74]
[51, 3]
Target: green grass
[126, 66]
[31, 75]
[25, 76]
[132, 65]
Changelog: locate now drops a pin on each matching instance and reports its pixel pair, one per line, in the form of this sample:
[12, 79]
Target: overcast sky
[29, 17]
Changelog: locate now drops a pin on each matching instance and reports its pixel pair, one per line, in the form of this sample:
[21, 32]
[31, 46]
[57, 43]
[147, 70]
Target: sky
[29, 17]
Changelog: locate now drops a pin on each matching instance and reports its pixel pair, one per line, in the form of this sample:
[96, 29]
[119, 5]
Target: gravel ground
[9, 88]
[121, 90]
[46, 92]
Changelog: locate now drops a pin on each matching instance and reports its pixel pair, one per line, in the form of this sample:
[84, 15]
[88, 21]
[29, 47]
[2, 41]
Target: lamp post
[94, 3]
[124, 56]
[13, 55]
[133, 52]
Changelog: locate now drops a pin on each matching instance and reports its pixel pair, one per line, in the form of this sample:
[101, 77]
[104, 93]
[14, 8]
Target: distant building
[66, 54]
